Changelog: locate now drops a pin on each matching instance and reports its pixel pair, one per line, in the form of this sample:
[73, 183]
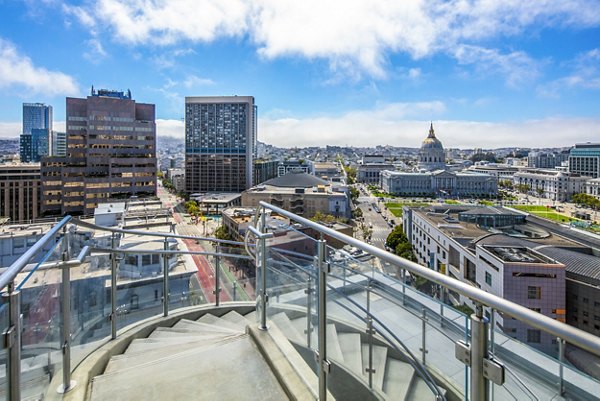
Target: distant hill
[9, 146]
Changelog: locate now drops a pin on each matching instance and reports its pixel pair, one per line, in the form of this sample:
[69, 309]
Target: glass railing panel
[536, 374]
[406, 316]
[236, 273]
[40, 287]
[90, 306]
[292, 293]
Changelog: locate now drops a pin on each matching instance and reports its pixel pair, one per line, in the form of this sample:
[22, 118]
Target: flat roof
[518, 254]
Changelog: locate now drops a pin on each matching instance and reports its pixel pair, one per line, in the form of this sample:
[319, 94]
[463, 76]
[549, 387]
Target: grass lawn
[396, 207]
[545, 212]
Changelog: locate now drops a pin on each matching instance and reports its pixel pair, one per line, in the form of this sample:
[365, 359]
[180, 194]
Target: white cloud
[193, 81]
[95, 51]
[407, 124]
[358, 129]
[355, 36]
[10, 129]
[174, 128]
[584, 73]
[518, 67]
[17, 70]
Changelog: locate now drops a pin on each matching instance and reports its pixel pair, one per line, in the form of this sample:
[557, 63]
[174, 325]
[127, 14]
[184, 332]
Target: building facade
[592, 187]
[369, 173]
[35, 139]
[20, 191]
[584, 159]
[551, 184]
[546, 160]
[58, 144]
[220, 140]
[264, 170]
[491, 249]
[111, 154]
[300, 193]
[439, 183]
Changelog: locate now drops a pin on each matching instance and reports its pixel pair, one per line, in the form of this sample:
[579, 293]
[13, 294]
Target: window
[488, 278]
[534, 336]
[534, 292]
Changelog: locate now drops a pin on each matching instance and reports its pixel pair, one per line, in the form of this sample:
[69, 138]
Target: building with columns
[432, 155]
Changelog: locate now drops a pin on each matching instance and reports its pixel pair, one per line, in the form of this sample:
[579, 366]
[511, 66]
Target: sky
[323, 72]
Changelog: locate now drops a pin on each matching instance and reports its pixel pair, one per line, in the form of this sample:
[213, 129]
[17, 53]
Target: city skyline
[337, 73]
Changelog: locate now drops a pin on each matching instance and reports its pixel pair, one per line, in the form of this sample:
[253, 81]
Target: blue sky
[327, 72]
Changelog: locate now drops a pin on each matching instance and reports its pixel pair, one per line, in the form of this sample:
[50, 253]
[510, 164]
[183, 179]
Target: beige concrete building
[299, 193]
[20, 191]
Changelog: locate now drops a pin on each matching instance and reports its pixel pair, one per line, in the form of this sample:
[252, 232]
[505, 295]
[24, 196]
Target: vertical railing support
[370, 332]
[322, 317]
[217, 289]
[479, 352]
[261, 255]
[424, 336]
[12, 341]
[166, 279]
[67, 383]
[309, 292]
[561, 361]
[113, 289]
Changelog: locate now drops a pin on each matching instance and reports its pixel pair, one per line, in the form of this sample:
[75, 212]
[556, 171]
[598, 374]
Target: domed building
[432, 155]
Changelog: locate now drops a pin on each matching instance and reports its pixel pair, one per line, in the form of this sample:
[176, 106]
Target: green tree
[357, 213]
[399, 242]
[539, 191]
[222, 233]
[354, 194]
[523, 188]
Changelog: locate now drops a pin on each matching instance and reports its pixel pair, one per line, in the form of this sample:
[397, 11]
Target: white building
[492, 249]
[551, 184]
[592, 187]
[440, 182]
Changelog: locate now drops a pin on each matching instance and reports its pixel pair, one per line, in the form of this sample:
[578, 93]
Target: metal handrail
[11, 272]
[587, 341]
[86, 224]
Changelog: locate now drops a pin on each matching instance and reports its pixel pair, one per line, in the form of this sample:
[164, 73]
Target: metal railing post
[561, 360]
[113, 290]
[309, 292]
[479, 352]
[67, 383]
[423, 336]
[166, 279]
[369, 369]
[322, 317]
[234, 289]
[263, 269]
[217, 289]
[12, 340]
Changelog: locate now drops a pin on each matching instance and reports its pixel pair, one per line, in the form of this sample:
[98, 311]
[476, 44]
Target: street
[234, 284]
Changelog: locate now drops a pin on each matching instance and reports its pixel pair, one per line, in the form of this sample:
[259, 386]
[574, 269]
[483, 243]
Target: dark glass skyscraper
[37, 127]
[220, 139]
[110, 155]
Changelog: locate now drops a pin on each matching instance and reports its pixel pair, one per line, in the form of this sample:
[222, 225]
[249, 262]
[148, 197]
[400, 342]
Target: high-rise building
[35, 137]
[111, 154]
[584, 159]
[20, 191]
[220, 139]
[59, 144]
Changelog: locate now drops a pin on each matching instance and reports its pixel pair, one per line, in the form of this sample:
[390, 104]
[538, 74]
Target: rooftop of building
[518, 254]
[447, 219]
[216, 197]
[111, 93]
[295, 180]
